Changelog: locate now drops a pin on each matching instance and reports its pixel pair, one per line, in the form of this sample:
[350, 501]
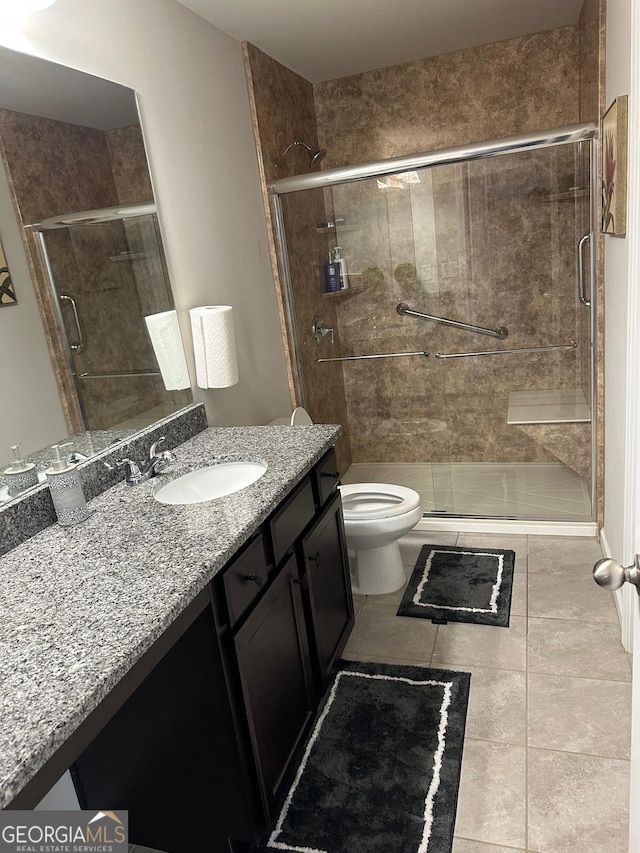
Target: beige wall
[192, 93]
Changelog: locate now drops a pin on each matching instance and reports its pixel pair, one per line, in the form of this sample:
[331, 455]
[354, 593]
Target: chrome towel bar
[116, 375]
[571, 345]
[379, 355]
[498, 332]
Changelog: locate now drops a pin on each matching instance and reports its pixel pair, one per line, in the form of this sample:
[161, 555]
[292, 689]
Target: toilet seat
[371, 501]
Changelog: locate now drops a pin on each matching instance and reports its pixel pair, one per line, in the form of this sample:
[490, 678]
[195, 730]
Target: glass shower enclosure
[459, 358]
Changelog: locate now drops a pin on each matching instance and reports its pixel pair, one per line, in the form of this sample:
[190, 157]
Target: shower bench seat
[552, 406]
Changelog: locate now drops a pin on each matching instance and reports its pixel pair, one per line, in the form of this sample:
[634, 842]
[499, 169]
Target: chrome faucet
[156, 464]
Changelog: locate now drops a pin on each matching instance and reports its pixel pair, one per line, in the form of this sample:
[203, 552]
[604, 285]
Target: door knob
[611, 574]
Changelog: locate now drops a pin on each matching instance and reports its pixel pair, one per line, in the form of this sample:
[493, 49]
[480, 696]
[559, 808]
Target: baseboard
[621, 598]
[507, 526]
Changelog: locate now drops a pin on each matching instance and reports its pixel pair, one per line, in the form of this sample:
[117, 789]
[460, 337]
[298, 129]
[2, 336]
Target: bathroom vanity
[182, 651]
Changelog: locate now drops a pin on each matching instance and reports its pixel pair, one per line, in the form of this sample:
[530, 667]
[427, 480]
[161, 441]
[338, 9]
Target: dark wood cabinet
[277, 682]
[200, 752]
[328, 588]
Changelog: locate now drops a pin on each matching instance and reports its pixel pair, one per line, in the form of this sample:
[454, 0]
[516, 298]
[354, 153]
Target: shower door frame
[585, 132]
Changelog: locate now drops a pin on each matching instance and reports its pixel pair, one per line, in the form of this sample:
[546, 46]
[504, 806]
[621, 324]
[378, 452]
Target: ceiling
[337, 38]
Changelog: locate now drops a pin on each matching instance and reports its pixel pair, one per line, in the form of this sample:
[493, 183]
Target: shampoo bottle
[20, 475]
[343, 275]
[332, 275]
[66, 490]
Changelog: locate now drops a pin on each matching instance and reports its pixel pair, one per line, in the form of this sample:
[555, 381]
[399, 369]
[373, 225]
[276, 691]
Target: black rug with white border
[461, 584]
[381, 769]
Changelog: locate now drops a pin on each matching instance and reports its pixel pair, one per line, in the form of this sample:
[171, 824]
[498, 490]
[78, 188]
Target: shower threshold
[547, 496]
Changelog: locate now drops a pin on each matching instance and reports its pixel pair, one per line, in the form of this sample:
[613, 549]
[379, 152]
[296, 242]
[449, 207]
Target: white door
[634, 810]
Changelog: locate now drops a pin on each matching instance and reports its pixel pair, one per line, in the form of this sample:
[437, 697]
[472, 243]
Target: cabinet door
[276, 678]
[330, 602]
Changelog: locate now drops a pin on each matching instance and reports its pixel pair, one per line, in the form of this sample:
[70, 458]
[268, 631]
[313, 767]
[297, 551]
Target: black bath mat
[381, 769]
[450, 584]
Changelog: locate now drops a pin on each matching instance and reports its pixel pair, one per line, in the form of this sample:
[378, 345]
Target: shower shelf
[349, 291]
[553, 406]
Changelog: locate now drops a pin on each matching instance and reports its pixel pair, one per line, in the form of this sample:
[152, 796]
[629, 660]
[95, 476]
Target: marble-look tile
[579, 715]
[379, 632]
[570, 595]
[413, 543]
[497, 704]
[392, 599]
[577, 803]
[482, 645]
[358, 604]
[583, 649]
[508, 543]
[519, 594]
[491, 802]
[464, 845]
[562, 553]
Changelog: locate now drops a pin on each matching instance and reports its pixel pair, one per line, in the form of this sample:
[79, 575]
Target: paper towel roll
[214, 346]
[166, 341]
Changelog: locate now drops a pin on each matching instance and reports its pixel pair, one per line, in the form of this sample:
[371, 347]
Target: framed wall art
[7, 292]
[614, 168]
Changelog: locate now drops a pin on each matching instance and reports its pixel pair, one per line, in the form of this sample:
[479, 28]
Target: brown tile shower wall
[56, 168]
[283, 109]
[483, 242]
[413, 410]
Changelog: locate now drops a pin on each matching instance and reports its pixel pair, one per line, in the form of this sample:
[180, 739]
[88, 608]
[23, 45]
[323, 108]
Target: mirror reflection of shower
[107, 272]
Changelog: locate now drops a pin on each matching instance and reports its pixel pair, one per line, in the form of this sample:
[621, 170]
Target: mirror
[84, 255]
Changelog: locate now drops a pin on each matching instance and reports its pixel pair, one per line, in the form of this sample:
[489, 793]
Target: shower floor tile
[522, 490]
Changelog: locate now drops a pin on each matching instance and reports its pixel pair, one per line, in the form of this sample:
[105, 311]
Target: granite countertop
[81, 605]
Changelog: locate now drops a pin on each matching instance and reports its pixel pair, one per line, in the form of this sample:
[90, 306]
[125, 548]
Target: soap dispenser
[66, 489]
[343, 275]
[20, 475]
[332, 275]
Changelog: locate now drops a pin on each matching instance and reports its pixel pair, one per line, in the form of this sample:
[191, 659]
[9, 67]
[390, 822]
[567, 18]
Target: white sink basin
[207, 484]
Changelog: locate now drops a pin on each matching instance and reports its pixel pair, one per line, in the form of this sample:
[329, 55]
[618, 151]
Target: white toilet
[299, 417]
[376, 515]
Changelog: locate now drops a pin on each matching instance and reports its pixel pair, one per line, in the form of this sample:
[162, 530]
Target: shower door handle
[581, 294]
[611, 574]
[80, 344]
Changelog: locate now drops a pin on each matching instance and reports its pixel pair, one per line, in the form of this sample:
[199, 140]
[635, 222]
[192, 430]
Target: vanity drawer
[245, 579]
[291, 519]
[326, 477]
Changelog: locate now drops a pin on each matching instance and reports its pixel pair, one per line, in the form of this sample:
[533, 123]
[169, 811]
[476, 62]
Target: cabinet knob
[316, 559]
[255, 578]
[302, 581]
[333, 474]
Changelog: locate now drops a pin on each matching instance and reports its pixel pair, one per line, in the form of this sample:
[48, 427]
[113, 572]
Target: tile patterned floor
[546, 757]
[531, 490]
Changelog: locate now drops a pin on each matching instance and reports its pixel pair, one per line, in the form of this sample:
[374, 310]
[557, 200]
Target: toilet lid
[377, 500]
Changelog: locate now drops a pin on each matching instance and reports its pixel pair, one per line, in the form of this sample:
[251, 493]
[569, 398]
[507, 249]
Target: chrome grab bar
[379, 355]
[499, 332]
[116, 375]
[74, 308]
[571, 345]
[581, 294]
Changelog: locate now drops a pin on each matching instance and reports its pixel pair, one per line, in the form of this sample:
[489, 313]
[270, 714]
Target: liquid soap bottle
[332, 275]
[66, 490]
[343, 275]
[20, 475]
